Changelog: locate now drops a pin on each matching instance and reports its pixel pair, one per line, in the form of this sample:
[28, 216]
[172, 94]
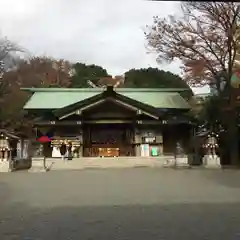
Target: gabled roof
[110, 96]
[57, 98]
[8, 134]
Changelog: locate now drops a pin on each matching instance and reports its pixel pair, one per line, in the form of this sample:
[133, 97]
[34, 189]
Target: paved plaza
[120, 204]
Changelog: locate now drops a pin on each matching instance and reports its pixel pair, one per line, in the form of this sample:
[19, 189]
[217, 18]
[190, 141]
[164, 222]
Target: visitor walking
[69, 151]
[63, 150]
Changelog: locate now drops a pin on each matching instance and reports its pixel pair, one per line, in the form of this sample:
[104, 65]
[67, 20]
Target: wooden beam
[82, 109]
[110, 121]
[160, 122]
[113, 100]
[58, 123]
[136, 109]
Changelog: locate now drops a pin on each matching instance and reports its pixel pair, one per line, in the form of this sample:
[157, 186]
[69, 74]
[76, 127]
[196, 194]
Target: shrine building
[108, 122]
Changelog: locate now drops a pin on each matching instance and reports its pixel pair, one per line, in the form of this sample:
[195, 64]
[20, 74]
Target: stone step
[120, 162]
[107, 162]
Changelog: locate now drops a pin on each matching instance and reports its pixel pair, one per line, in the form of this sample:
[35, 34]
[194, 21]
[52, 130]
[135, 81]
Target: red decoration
[238, 73]
[44, 139]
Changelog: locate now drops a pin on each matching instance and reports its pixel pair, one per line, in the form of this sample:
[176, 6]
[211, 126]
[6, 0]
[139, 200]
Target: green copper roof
[56, 98]
[99, 90]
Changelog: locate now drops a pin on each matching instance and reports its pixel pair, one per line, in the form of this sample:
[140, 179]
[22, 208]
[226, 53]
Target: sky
[108, 33]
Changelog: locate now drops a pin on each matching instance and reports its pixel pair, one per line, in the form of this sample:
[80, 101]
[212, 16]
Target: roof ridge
[100, 89]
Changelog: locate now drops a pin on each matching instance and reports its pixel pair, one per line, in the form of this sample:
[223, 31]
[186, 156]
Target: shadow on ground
[225, 177]
[168, 222]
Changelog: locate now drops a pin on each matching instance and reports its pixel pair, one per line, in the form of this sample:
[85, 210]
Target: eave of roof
[106, 95]
[57, 98]
[102, 89]
[9, 134]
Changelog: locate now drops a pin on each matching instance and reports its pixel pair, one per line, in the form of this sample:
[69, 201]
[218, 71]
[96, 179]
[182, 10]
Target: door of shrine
[110, 140]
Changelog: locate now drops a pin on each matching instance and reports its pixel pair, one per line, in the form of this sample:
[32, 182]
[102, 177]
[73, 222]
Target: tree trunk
[232, 132]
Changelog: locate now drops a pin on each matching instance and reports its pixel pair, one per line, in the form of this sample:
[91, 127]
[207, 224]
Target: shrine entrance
[108, 140]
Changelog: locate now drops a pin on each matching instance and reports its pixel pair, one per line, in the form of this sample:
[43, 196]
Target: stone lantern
[5, 150]
[211, 159]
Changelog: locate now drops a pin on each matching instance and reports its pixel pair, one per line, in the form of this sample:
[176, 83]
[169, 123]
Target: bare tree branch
[6, 49]
[204, 40]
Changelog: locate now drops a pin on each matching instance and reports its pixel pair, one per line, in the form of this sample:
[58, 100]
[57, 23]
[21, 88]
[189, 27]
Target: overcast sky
[108, 33]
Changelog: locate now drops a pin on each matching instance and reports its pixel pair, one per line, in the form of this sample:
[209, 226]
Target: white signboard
[25, 149]
[144, 150]
[56, 152]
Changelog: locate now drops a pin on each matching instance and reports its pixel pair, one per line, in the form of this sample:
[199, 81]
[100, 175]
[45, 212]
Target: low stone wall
[118, 162]
[22, 164]
[37, 164]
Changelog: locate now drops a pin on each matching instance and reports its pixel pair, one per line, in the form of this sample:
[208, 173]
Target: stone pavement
[143, 204]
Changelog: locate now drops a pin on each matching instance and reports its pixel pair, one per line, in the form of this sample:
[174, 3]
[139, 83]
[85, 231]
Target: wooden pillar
[6, 154]
[80, 153]
[19, 149]
[137, 140]
[137, 150]
[1, 155]
[159, 140]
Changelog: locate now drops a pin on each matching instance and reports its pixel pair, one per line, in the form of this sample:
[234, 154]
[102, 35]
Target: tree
[211, 112]
[44, 72]
[7, 60]
[237, 60]
[153, 78]
[84, 72]
[205, 40]
[36, 72]
[7, 48]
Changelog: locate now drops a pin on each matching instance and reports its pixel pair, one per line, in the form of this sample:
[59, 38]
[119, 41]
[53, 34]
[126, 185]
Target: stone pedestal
[169, 162]
[182, 161]
[211, 161]
[80, 152]
[179, 161]
[138, 151]
[38, 165]
[4, 166]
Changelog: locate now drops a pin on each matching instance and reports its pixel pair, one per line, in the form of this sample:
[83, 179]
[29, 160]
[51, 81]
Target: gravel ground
[120, 204]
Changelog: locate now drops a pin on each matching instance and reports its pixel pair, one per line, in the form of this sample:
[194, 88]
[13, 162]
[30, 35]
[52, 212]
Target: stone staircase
[109, 162]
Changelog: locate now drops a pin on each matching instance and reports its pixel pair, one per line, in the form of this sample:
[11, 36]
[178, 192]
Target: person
[63, 149]
[69, 150]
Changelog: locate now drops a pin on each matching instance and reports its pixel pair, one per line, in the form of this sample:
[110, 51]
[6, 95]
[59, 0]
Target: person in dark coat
[63, 150]
[69, 150]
